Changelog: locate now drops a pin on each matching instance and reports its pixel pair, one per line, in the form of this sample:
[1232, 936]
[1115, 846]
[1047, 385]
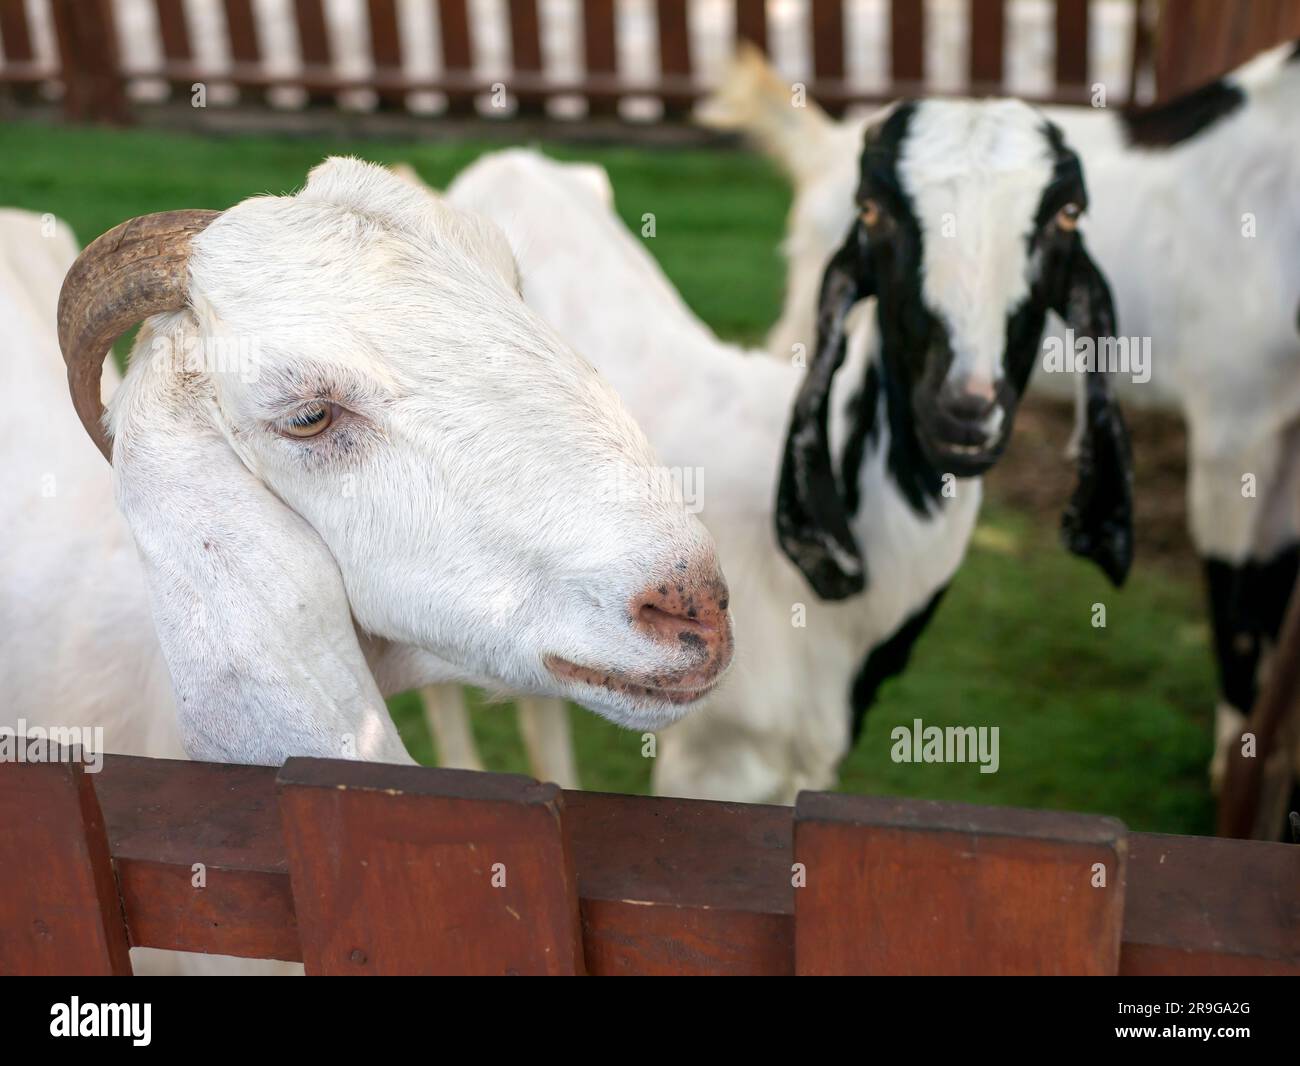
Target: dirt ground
[1035, 476]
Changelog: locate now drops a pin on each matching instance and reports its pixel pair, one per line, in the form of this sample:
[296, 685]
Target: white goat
[858, 489]
[1195, 218]
[349, 461]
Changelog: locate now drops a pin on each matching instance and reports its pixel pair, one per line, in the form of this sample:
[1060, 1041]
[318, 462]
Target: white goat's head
[349, 415]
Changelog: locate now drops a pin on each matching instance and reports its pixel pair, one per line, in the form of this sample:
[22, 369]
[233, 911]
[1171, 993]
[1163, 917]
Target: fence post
[1244, 779]
[1071, 64]
[674, 56]
[827, 32]
[386, 51]
[600, 52]
[59, 908]
[910, 887]
[751, 22]
[403, 869]
[457, 54]
[88, 61]
[526, 57]
[178, 55]
[314, 48]
[988, 30]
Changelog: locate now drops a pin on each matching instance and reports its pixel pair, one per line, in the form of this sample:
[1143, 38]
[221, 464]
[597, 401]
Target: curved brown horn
[133, 271]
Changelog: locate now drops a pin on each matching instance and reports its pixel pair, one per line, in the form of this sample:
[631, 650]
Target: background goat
[1195, 218]
[858, 487]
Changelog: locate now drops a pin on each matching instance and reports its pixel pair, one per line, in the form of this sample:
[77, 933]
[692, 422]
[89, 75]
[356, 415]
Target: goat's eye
[308, 421]
[1068, 217]
[870, 213]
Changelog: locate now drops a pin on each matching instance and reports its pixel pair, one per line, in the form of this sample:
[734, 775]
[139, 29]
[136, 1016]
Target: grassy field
[1112, 720]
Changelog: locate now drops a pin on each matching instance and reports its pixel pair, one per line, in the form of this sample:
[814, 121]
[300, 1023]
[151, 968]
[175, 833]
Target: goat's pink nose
[688, 610]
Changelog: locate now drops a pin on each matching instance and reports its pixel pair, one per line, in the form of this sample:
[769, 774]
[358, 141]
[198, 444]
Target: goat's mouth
[962, 460]
[959, 448]
[674, 689]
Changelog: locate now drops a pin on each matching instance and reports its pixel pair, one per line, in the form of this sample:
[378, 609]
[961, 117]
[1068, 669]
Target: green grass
[1112, 720]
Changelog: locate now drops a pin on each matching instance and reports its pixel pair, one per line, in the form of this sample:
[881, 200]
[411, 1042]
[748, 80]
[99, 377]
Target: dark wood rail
[365, 868]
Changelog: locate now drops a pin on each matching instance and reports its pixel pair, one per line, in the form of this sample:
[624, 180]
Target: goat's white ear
[247, 600]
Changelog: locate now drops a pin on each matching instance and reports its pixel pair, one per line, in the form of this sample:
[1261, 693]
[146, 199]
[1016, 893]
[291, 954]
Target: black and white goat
[1195, 218]
[862, 470]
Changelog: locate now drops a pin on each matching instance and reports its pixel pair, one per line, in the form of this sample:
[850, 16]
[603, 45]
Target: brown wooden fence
[1194, 40]
[1182, 43]
[359, 868]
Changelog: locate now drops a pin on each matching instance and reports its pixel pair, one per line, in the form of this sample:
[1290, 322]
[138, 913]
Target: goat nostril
[969, 408]
[663, 623]
[690, 611]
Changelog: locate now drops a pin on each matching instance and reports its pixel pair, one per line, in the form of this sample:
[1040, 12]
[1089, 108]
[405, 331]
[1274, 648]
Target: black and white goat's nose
[971, 406]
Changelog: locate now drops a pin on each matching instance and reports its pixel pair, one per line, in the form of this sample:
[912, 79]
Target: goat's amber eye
[870, 213]
[308, 421]
[1068, 217]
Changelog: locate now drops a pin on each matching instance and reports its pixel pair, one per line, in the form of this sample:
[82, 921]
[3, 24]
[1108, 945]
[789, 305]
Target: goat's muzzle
[685, 614]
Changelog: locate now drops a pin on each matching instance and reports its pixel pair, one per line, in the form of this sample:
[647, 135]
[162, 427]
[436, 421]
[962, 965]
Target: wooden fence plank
[471, 873]
[457, 53]
[751, 22]
[88, 61]
[20, 71]
[526, 53]
[913, 887]
[1206, 906]
[1278, 699]
[665, 885]
[988, 31]
[245, 51]
[600, 50]
[673, 886]
[314, 48]
[386, 51]
[59, 908]
[177, 53]
[674, 54]
[1200, 40]
[164, 817]
[1072, 44]
[15, 35]
[907, 45]
[827, 32]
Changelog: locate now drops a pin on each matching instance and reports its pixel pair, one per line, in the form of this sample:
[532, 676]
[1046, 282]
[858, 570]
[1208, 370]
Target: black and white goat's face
[967, 235]
[968, 211]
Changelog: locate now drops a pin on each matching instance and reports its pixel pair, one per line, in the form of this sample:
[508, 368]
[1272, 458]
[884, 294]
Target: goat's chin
[627, 702]
[645, 716]
[962, 460]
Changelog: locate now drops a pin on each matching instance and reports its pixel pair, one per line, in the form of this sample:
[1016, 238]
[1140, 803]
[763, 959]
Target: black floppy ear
[812, 523]
[1098, 522]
